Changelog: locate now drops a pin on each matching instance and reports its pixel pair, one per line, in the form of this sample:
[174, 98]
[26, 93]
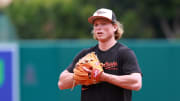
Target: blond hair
[118, 33]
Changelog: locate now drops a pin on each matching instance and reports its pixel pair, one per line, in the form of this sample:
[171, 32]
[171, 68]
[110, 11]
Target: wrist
[103, 76]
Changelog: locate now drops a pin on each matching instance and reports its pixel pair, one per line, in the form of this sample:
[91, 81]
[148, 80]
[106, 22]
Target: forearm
[132, 81]
[65, 80]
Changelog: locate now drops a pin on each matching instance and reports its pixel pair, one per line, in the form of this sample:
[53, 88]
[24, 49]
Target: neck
[106, 44]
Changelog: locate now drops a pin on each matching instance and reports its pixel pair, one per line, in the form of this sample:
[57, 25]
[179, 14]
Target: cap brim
[92, 18]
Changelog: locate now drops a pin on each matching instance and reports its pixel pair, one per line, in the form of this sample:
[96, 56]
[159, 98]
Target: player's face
[103, 29]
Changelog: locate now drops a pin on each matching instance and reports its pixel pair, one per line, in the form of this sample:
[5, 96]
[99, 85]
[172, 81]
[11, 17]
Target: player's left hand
[88, 70]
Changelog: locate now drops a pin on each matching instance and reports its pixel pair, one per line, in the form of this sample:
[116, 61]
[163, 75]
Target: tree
[57, 19]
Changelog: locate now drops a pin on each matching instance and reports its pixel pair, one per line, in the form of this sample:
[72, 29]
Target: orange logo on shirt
[110, 65]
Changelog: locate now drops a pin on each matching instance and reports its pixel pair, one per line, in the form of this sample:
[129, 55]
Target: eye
[95, 25]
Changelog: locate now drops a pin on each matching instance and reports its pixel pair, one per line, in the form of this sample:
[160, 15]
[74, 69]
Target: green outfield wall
[41, 62]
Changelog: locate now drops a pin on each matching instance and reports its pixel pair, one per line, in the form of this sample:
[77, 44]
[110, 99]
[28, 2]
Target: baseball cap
[102, 13]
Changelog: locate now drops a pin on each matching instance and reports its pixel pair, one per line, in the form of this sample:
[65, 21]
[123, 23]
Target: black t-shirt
[118, 60]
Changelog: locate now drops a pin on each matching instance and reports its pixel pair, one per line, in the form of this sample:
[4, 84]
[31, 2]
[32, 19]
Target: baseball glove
[88, 70]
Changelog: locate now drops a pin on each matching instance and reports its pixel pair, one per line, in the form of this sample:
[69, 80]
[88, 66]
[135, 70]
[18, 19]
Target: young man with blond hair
[121, 72]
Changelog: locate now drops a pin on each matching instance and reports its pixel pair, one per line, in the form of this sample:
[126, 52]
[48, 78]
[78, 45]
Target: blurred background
[36, 39]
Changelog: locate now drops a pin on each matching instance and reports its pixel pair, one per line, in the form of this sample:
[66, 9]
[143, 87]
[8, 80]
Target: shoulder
[123, 48]
[85, 51]
[125, 51]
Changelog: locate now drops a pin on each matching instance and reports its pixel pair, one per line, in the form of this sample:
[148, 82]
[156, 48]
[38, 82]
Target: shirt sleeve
[130, 64]
[75, 60]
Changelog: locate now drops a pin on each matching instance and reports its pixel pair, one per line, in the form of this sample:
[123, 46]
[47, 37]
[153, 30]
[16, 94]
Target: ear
[115, 27]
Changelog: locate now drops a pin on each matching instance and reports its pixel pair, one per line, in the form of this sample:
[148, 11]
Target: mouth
[99, 33]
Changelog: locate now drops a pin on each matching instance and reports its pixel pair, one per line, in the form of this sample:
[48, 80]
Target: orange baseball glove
[88, 70]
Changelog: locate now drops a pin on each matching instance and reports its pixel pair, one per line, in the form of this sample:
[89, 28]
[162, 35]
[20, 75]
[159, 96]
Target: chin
[101, 39]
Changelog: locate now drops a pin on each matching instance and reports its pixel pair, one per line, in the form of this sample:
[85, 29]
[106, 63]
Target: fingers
[86, 69]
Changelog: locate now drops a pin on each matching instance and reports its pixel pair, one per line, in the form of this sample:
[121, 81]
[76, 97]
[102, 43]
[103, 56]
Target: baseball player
[121, 73]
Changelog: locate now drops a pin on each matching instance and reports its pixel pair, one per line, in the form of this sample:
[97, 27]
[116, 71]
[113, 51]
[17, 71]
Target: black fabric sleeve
[130, 64]
[75, 60]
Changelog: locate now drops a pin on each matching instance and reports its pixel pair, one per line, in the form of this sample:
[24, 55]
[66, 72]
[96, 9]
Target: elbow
[138, 83]
[137, 86]
[60, 85]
